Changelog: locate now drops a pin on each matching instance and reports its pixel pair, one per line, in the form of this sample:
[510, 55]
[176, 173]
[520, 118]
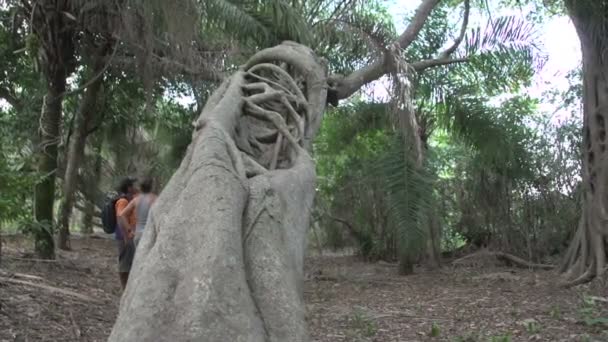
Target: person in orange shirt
[140, 207]
[124, 233]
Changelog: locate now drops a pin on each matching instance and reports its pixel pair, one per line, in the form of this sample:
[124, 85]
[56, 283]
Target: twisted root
[278, 114]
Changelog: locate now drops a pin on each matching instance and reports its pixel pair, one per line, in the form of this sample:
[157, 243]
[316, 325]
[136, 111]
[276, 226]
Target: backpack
[108, 213]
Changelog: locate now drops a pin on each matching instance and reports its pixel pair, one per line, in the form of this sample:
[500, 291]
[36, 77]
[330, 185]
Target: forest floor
[76, 298]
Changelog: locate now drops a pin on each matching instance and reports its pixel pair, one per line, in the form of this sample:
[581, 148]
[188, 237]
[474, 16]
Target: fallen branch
[325, 278]
[31, 259]
[26, 276]
[466, 257]
[4, 273]
[506, 257]
[521, 262]
[52, 289]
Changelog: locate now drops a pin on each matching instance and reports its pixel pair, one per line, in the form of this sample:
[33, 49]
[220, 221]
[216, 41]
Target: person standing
[124, 234]
[140, 207]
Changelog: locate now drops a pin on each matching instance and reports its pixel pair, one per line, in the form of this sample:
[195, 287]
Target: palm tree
[453, 99]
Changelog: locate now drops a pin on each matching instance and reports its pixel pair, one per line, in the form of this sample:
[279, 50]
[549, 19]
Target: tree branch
[356, 234]
[444, 57]
[463, 31]
[344, 87]
[430, 63]
[420, 17]
[97, 76]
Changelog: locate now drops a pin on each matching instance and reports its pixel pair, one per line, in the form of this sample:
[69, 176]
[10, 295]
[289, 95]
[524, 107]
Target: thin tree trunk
[315, 230]
[92, 183]
[44, 192]
[87, 219]
[85, 115]
[434, 242]
[407, 257]
[406, 263]
[586, 256]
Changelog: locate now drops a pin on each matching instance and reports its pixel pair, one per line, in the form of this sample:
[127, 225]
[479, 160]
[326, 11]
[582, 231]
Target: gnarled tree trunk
[586, 257]
[222, 255]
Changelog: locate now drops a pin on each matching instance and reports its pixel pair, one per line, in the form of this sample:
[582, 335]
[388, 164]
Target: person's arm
[123, 223]
[128, 210]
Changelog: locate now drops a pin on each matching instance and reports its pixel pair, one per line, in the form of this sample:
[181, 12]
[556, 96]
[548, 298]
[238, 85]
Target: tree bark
[240, 209]
[434, 241]
[586, 256]
[44, 192]
[86, 112]
[221, 258]
[91, 184]
[56, 57]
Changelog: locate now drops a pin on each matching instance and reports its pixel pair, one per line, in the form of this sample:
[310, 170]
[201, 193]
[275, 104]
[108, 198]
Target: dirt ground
[76, 299]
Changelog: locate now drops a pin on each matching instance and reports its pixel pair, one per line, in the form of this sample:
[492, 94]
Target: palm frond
[261, 23]
[288, 22]
[235, 19]
[506, 40]
[409, 190]
[497, 134]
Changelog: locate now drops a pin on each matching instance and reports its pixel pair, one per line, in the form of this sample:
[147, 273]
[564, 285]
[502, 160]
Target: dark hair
[146, 185]
[125, 184]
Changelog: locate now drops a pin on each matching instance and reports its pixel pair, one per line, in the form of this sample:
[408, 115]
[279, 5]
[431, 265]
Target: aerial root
[282, 75]
[277, 150]
[274, 97]
[275, 118]
[585, 259]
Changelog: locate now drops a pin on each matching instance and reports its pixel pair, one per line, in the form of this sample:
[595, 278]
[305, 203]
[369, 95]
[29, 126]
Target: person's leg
[124, 264]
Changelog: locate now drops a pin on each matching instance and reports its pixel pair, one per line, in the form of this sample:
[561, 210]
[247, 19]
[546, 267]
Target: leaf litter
[76, 298]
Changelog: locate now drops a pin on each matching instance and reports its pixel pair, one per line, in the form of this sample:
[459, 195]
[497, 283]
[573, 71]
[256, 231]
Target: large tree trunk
[86, 113]
[222, 255]
[44, 192]
[586, 257]
[56, 34]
